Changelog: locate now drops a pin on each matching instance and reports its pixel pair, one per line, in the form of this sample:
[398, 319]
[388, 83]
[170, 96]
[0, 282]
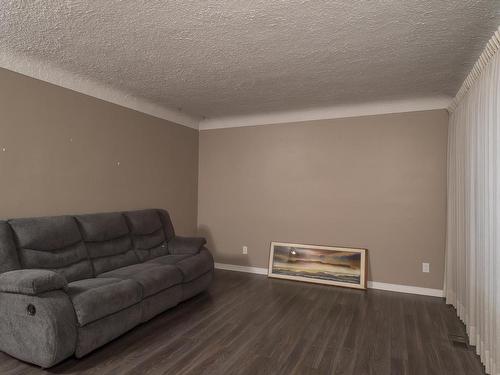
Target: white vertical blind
[472, 282]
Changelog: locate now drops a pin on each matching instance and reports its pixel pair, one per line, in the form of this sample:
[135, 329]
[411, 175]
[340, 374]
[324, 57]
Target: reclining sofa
[70, 284]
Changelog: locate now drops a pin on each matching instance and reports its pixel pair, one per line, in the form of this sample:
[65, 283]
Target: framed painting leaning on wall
[340, 266]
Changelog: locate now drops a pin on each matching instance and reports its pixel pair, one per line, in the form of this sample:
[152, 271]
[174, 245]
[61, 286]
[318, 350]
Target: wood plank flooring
[248, 324]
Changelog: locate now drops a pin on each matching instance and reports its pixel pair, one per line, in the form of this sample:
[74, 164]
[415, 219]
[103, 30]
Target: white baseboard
[233, 267]
[371, 284]
[406, 289]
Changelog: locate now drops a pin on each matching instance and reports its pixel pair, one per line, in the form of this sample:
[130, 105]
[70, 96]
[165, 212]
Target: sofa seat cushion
[96, 298]
[169, 259]
[152, 277]
[196, 265]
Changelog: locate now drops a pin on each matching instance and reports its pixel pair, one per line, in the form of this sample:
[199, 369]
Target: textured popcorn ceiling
[225, 58]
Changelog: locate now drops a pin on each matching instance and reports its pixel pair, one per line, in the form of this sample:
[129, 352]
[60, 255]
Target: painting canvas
[339, 266]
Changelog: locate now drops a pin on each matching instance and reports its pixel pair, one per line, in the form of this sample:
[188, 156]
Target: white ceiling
[216, 59]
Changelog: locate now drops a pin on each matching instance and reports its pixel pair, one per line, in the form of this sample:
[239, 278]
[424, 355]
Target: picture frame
[330, 265]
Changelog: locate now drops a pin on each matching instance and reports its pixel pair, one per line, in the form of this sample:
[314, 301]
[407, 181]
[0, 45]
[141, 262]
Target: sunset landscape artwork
[331, 265]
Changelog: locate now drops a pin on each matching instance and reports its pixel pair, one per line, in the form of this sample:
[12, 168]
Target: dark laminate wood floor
[248, 324]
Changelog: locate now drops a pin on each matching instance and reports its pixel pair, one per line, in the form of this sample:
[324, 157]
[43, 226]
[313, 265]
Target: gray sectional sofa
[70, 284]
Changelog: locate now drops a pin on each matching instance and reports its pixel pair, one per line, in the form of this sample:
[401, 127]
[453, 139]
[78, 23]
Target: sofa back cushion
[8, 254]
[168, 227]
[148, 233]
[108, 241]
[53, 243]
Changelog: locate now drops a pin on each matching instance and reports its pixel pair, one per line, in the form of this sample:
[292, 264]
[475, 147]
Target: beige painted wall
[376, 182]
[62, 150]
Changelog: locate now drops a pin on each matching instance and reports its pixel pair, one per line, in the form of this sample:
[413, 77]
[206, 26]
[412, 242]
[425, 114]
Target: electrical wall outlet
[425, 267]
[245, 250]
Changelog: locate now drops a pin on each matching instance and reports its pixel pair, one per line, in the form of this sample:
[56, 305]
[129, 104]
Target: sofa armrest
[39, 329]
[31, 282]
[186, 245]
